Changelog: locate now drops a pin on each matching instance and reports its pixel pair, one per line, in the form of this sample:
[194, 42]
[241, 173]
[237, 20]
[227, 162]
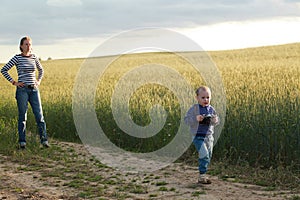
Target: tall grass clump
[262, 89]
[142, 101]
[56, 91]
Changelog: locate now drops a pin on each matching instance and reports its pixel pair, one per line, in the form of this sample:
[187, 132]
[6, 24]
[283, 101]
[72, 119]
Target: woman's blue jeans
[204, 146]
[31, 95]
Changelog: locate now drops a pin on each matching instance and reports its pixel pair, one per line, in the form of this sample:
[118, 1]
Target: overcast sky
[74, 28]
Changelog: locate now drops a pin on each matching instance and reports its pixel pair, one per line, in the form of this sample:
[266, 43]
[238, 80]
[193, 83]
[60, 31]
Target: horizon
[146, 52]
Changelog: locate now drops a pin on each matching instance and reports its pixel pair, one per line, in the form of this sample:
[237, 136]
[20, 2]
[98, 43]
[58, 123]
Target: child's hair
[203, 88]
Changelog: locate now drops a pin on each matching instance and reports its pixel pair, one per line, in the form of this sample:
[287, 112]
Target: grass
[261, 132]
[62, 167]
[295, 197]
[160, 183]
[163, 189]
[198, 193]
[271, 179]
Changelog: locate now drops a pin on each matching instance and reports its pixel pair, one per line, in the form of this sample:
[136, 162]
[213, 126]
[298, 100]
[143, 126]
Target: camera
[207, 119]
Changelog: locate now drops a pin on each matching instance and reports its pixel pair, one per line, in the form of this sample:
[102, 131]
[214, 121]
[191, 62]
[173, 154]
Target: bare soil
[77, 175]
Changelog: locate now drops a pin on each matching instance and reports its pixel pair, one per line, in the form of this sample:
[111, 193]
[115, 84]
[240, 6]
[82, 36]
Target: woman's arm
[40, 70]
[7, 67]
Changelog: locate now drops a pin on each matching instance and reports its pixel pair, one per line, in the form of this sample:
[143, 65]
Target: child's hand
[199, 118]
[215, 119]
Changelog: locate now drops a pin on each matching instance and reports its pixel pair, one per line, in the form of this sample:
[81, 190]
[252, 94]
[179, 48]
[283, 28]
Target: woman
[27, 89]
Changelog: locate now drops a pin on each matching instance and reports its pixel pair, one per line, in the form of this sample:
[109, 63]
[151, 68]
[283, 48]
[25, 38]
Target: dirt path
[77, 175]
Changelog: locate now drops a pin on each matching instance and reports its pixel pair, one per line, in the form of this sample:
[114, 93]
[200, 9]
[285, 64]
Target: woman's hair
[203, 88]
[22, 41]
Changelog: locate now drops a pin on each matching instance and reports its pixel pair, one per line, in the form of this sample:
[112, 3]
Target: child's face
[203, 98]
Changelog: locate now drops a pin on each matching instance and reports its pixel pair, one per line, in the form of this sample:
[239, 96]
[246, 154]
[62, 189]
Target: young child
[202, 118]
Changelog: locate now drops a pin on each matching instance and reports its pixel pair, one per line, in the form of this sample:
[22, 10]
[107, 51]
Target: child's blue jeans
[204, 146]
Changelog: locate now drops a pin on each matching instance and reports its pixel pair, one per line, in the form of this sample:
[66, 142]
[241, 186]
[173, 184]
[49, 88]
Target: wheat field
[262, 103]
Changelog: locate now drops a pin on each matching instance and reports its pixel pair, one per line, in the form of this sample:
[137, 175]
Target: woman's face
[26, 46]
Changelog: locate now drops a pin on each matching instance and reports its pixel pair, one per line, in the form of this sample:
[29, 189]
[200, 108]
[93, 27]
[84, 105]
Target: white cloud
[64, 3]
[234, 35]
[217, 24]
[66, 19]
[219, 36]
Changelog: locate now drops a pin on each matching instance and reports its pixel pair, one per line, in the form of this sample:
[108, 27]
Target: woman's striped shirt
[26, 68]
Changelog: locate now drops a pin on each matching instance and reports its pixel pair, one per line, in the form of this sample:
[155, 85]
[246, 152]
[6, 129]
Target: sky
[74, 28]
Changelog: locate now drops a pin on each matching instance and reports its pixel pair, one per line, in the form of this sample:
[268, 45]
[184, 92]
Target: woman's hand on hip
[19, 84]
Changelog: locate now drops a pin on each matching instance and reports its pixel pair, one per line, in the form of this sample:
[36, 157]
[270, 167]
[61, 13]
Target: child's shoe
[203, 179]
[22, 145]
[46, 144]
